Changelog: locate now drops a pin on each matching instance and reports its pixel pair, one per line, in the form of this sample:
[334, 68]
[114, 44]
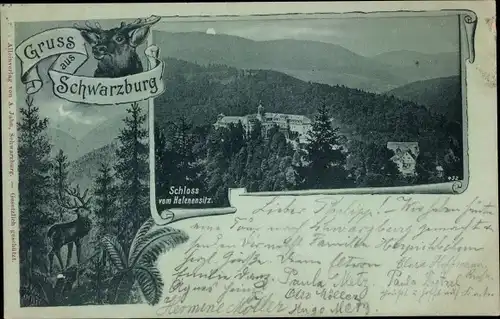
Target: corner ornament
[470, 19]
[459, 187]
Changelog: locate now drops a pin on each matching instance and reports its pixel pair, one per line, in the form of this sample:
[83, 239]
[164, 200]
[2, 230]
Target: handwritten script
[333, 256]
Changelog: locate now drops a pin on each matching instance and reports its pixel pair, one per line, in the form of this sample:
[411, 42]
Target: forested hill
[440, 95]
[201, 93]
[308, 60]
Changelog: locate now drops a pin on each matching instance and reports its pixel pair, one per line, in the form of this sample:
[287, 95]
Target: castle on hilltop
[295, 127]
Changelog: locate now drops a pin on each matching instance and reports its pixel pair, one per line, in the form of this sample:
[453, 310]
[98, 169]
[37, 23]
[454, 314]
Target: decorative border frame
[467, 27]
[10, 184]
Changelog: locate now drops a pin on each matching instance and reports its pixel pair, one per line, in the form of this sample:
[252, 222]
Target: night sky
[364, 36]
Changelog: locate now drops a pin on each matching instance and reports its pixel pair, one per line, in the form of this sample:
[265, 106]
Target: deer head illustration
[115, 49]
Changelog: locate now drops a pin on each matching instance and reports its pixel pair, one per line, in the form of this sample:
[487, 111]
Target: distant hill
[84, 170]
[98, 137]
[63, 141]
[201, 93]
[97, 147]
[306, 60]
[441, 95]
[102, 135]
[417, 66]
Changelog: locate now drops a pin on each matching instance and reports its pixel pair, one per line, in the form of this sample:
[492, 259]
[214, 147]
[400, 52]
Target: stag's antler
[75, 193]
[88, 27]
[139, 23]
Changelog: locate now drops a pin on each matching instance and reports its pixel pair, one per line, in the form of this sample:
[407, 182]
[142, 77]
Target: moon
[211, 31]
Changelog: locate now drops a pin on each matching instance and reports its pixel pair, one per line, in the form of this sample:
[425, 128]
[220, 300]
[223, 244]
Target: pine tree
[105, 196]
[215, 165]
[132, 171]
[34, 189]
[326, 167]
[161, 167]
[60, 177]
[378, 168]
[452, 160]
[256, 132]
[425, 167]
[182, 146]
[299, 169]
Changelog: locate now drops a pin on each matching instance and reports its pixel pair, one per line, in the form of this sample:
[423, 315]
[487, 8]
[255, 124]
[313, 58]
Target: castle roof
[405, 147]
[230, 119]
[268, 117]
[413, 155]
[400, 157]
[277, 117]
[402, 145]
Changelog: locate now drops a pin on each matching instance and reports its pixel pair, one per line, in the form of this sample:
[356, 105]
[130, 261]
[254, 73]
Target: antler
[75, 193]
[140, 22]
[88, 27]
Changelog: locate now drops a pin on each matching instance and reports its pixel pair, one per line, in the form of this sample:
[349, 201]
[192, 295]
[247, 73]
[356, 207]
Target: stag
[115, 49]
[70, 233]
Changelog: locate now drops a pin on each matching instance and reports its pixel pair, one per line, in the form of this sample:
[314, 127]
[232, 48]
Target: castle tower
[260, 112]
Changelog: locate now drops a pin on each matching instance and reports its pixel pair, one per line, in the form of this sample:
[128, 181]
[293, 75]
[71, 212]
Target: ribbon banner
[69, 47]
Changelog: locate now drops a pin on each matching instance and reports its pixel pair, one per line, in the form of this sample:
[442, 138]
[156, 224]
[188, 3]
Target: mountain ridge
[101, 135]
[413, 52]
[306, 60]
[84, 169]
[435, 94]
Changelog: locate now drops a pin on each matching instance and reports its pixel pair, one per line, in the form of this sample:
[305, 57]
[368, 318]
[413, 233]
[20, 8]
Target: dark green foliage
[39, 292]
[105, 200]
[45, 291]
[138, 266]
[161, 158]
[60, 180]
[427, 161]
[99, 274]
[440, 96]
[179, 151]
[325, 155]
[452, 160]
[150, 283]
[228, 158]
[35, 181]
[132, 171]
[183, 167]
[240, 93]
[231, 158]
[371, 165]
[116, 266]
[202, 93]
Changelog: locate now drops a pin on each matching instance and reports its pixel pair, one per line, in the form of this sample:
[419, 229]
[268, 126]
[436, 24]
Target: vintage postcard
[247, 160]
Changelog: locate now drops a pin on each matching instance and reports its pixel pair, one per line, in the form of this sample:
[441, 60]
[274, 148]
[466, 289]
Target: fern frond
[30, 296]
[115, 252]
[120, 285]
[143, 230]
[150, 283]
[166, 243]
[40, 282]
[158, 242]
